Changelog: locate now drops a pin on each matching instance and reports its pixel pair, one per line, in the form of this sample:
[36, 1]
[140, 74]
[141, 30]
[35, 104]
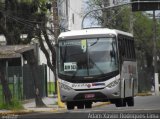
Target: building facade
[70, 16]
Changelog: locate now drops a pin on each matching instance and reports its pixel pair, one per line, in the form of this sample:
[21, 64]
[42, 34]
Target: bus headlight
[65, 87]
[112, 84]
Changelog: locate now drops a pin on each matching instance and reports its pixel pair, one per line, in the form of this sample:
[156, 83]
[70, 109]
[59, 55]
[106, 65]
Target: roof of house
[14, 51]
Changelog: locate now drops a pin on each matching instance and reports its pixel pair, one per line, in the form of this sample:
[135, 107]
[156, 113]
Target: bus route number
[70, 66]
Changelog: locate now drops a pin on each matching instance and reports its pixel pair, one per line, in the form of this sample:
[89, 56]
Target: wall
[75, 14]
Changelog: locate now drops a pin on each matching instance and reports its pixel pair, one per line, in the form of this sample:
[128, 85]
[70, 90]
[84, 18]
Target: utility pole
[106, 14]
[156, 80]
[56, 34]
[55, 20]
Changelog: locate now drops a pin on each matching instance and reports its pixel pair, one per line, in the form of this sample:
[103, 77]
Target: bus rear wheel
[130, 101]
[120, 102]
[70, 105]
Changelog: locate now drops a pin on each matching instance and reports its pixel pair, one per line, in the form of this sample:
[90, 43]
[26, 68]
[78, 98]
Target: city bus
[96, 65]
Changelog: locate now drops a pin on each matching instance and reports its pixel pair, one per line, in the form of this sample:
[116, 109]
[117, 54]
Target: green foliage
[25, 1]
[120, 19]
[51, 87]
[143, 31]
[21, 18]
[123, 19]
[14, 105]
[1, 94]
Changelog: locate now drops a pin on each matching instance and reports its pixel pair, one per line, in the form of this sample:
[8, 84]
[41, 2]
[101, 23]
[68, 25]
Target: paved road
[145, 107]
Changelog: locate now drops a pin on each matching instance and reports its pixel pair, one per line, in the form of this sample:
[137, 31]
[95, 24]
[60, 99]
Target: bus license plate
[89, 96]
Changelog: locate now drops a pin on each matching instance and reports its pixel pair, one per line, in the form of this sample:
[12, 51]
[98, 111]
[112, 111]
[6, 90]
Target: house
[18, 73]
[70, 15]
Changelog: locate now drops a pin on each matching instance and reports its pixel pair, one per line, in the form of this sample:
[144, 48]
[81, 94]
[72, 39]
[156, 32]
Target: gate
[21, 82]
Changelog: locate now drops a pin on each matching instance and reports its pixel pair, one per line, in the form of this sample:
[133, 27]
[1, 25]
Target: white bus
[96, 65]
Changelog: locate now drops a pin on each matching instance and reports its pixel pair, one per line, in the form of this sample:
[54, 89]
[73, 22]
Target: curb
[101, 104]
[15, 112]
[144, 94]
[26, 112]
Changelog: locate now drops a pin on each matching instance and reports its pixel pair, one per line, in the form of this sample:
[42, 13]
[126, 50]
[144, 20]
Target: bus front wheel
[70, 105]
[80, 105]
[88, 105]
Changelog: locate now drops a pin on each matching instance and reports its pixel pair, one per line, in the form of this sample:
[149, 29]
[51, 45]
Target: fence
[21, 82]
[145, 80]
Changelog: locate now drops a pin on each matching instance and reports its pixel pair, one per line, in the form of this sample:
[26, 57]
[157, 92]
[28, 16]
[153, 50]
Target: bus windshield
[87, 57]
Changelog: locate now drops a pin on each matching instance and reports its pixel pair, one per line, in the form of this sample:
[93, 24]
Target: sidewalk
[51, 103]
[30, 107]
[52, 106]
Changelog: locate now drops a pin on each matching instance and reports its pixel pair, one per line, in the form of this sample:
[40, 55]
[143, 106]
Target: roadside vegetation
[51, 88]
[14, 105]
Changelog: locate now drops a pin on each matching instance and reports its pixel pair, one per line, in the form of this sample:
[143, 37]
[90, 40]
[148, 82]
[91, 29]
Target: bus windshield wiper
[94, 43]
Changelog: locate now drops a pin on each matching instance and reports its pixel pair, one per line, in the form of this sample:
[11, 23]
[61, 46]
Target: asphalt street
[145, 107]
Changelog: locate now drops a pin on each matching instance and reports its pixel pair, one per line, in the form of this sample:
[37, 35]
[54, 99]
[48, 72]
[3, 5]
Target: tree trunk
[4, 82]
[53, 51]
[31, 59]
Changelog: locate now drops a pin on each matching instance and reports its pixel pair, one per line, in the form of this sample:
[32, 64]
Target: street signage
[145, 5]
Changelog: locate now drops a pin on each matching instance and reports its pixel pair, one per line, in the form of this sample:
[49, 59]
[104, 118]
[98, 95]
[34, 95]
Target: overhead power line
[29, 23]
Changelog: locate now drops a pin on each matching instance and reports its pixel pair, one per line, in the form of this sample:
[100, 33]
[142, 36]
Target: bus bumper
[93, 95]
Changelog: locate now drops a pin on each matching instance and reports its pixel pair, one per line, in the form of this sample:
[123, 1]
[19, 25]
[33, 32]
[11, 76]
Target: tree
[30, 57]
[117, 18]
[42, 30]
[122, 18]
[34, 25]
[12, 16]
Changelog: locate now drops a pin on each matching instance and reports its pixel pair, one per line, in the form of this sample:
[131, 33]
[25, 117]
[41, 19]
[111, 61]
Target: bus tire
[88, 105]
[70, 105]
[80, 105]
[120, 102]
[130, 101]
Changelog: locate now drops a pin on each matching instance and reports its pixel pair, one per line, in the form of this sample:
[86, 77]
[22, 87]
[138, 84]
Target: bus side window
[124, 47]
[134, 54]
[129, 49]
[132, 49]
[121, 47]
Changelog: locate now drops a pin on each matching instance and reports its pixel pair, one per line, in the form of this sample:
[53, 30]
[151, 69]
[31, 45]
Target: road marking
[126, 110]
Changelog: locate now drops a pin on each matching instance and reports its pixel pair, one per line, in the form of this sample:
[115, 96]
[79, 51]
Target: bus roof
[93, 31]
